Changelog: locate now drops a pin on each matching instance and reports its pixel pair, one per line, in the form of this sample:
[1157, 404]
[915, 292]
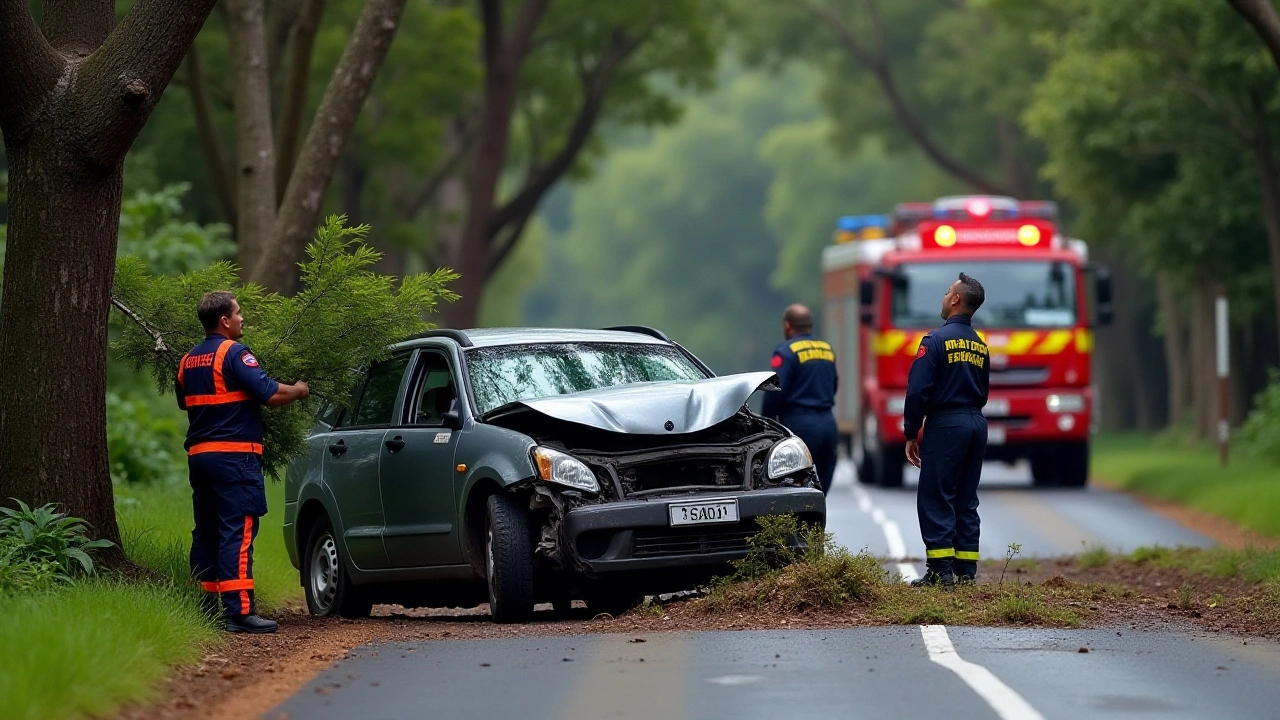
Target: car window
[501, 375]
[435, 391]
[379, 397]
[328, 413]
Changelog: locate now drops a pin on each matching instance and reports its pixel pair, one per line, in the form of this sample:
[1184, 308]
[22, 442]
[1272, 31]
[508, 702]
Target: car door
[351, 462]
[417, 471]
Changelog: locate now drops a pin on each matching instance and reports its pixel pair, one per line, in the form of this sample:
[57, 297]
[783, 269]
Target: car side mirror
[453, 418]
[1102, 295]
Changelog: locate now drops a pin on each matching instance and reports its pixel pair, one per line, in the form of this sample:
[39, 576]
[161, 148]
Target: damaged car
[526, 466]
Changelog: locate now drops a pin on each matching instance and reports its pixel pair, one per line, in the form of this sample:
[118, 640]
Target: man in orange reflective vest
[222, 388]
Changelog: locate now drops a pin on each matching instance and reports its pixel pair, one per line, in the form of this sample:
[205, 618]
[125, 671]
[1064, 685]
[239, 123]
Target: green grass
[155, 522]
[1246, 492]
[87, 649]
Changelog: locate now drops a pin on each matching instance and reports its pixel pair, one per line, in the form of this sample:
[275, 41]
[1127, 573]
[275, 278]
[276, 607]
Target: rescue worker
[221, 387]
[947, 387]
[806, 369]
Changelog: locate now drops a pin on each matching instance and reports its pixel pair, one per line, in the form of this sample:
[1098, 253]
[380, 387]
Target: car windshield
[1019, 294]
[501, 375]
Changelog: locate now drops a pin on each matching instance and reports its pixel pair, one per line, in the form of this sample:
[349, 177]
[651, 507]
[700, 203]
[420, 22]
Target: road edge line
[1006, 702]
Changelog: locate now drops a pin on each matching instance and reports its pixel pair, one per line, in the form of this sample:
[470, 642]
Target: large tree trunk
[1269, 192]
[1175, 347]
[255, 145]
[63, 221]
[71, 107]
[1203, 362]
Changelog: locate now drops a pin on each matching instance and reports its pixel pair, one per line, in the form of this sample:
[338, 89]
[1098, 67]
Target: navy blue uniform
[222, 389]
[806, 371]
[948, 384]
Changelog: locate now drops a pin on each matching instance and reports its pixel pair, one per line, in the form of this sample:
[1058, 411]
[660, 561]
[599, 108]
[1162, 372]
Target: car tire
[326, 581]
[608, 599]
[508, 560]
[1044, 468]
[890, 462]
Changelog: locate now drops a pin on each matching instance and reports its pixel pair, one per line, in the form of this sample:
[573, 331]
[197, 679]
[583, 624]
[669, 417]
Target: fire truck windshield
[1020, 294]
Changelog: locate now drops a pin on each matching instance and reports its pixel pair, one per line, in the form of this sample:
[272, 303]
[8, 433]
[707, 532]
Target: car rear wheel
[326, 582]
[889, 463]
[508, 560]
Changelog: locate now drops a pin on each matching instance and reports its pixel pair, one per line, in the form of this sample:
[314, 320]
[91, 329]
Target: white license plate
[995, 434]
[704, 512]
[996, 407]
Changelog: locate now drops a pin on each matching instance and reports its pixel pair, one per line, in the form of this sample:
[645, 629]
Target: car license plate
[704, 512]
[995, 434]
[996, 407]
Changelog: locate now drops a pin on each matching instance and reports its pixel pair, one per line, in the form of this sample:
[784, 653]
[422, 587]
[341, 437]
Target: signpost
[1224, 369]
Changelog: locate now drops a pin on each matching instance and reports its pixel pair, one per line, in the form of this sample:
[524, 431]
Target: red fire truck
[883, 282]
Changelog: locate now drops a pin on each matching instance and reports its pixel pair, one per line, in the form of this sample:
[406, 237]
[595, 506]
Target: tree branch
[281, 23]
[131, 69]
[77, 27]
[161, 345]
[443, 170]
[294, 106]
[517, 46]
[29, 69]
[491, 22]
[339, 108]
[255, 143]
[879, 67]
[1261, 14]
[210, 142]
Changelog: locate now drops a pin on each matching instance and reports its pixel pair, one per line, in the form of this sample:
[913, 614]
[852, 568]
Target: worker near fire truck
[806, 370]
[948, 387]
[222, 388]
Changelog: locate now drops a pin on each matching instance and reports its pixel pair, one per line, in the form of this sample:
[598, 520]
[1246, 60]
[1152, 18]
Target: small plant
[1093, 557]
[1010, 553]
[1147, 554]
[1217, 600]
[43, 537]
[1186, 598]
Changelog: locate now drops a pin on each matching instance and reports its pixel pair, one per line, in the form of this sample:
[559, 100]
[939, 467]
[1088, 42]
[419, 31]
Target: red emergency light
[1014, 234]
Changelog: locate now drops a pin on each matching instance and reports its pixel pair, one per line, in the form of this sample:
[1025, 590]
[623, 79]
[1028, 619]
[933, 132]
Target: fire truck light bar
[972, 208]
[861, 227]
[1015, 234]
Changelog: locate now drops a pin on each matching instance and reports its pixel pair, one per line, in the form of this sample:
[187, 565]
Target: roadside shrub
[1260, 434]
[142, 445]
[45, 541]
[1094, 557]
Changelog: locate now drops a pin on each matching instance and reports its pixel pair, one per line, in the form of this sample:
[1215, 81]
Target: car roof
[497, 337]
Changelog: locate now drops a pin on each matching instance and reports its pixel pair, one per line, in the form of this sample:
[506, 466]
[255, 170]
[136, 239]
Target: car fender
[491, 455]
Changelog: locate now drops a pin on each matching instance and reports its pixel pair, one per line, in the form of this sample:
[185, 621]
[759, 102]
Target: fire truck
[883, 282]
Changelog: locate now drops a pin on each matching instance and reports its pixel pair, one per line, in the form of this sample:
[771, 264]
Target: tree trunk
[1175, 347]
[1269, 192]
[1015, 170]
[255, 145]
[294, 106]
[63, 222]
[1204, 380]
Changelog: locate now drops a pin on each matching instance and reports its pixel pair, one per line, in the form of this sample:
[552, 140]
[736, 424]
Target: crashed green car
[525, 466]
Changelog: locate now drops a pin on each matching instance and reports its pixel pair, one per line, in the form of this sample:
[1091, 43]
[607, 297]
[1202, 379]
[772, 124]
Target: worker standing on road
[806, 369]
[221, 387]
[948, 386]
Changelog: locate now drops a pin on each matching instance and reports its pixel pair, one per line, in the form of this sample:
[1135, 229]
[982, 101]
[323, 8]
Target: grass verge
[1246, 492]
[88, 648]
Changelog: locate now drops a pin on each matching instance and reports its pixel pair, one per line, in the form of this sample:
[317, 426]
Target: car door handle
[394, 444]
[338, 448]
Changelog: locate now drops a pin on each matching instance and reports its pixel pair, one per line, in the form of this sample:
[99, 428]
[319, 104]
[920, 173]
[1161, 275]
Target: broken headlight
[563, 469]
[788, 456]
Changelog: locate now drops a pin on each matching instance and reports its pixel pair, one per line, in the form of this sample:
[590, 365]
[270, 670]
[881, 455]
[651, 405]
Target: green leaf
[83, 558]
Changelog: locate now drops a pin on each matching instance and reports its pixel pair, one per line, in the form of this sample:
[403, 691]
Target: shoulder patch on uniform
[920, 353]
[248, 359]
[776, 361]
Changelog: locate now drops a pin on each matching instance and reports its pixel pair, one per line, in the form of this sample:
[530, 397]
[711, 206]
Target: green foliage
[1260, 434]
[345, 317]
[151, 228]
[86, 649]
[143, 446]
[1094, 557]
[47, 540]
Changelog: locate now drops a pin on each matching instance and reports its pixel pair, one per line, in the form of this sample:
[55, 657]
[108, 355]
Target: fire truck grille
[1019, 376]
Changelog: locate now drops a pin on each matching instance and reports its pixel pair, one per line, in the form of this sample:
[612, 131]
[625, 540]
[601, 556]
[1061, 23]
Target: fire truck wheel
[1044, 468]
[889, 465]
[1074, 464]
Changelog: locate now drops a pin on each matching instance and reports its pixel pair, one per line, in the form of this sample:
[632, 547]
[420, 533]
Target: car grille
[660, 542]
[694, 473]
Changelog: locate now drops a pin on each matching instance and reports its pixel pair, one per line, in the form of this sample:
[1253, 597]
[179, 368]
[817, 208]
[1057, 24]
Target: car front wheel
[327, 583]
[508, 560]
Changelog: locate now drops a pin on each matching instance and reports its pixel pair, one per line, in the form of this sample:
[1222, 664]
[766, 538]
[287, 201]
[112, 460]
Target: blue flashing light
[855, 223]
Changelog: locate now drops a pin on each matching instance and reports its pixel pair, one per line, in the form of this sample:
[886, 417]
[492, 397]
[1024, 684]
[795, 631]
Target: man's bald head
[797, 320]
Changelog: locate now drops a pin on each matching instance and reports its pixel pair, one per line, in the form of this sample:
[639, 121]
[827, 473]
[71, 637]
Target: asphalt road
[911, 672]
[1043, 521]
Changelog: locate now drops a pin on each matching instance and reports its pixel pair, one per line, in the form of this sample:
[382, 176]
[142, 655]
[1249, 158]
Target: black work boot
[966, 572]
[250, 624]
[937, 572]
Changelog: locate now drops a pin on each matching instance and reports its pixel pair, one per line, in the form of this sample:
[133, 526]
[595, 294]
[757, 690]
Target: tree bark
[255, 145]
[68, 119]
[299, 214]
[1175, 347]
[210, 141]
[1262, 15]
[294, 107]
[1203, 360]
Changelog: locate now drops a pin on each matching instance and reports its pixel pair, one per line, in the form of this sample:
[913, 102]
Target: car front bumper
[636, 535]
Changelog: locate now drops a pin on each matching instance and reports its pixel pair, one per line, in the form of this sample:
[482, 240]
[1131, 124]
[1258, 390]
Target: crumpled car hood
[650, 408]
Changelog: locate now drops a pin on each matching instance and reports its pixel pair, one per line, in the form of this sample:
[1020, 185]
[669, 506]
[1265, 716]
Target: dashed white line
[1008, 704]
[896, 546]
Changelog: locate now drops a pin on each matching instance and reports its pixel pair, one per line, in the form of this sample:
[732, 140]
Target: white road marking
[892, 534]
[908, 571]
[735, 679]
[1008, 704]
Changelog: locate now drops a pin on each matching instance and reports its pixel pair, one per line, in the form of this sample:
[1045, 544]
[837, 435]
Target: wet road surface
[812, 674]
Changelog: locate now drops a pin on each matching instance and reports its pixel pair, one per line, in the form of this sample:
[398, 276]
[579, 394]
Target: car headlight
[563, 469]
[789, 456]
[896, 405]
[1064, 403]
